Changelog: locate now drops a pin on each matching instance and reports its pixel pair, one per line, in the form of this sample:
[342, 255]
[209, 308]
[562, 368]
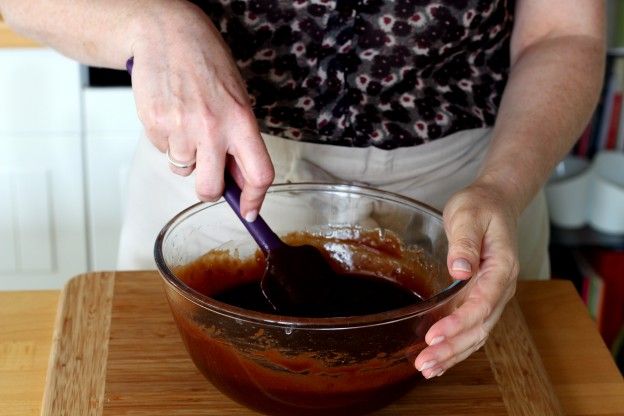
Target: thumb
[465, 237]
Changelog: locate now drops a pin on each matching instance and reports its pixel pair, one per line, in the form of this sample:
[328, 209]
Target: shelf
[616, 52]
[585, 237]
[103, 77]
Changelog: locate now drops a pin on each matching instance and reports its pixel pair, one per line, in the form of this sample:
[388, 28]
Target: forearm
[97, 32]
[552, 90]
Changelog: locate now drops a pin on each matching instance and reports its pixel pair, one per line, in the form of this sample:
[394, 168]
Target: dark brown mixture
[306, 372]
[376, 274]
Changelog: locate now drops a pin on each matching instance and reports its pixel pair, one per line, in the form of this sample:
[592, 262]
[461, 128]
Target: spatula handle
[259, 230]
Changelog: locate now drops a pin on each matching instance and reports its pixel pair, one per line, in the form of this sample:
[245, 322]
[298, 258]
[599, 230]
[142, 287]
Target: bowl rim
[267, 319]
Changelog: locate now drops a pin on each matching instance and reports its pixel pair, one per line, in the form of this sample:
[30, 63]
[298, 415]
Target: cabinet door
[42, 222]
[111, 132]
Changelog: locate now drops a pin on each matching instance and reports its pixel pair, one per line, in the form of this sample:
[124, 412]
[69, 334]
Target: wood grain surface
[26, 322]
[77, 369]
[579, 365]
[149, 373]
[518, 368]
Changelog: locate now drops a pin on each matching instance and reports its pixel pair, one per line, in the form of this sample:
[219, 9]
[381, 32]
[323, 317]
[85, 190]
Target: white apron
[430, 173]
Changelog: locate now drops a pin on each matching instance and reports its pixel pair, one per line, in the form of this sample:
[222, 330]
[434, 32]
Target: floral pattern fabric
[387, 73]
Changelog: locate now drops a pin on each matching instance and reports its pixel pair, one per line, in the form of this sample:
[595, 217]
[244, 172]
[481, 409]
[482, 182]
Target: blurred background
[586, 201]
[68, 132]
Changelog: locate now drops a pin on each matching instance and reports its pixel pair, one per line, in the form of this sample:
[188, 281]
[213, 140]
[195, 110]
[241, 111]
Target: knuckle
[465, 245]
[452, 351]
[456, 211]
[454, 321]
[263, 179]
[486, 310]
[511, 292]
[205, 119]
[154, 116]
[160, 142]
[181, 172]
[482, 309]
[160, 122]
[208, 192]
[207, 196]
[509, 262]
[241, 113]
[182, 149]
[482, 336]
[515, 268]
[155, 133]
[454, 359]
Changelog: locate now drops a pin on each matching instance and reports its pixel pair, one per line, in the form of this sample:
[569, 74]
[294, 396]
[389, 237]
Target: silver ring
[178, 164]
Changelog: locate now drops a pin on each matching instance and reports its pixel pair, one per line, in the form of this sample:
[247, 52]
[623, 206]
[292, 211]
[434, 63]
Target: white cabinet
[65, 152]
[42, 222]
[42, 208]
[39, 92]
[111, 132]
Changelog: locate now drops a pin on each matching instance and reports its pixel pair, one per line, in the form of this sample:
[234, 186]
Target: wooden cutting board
[116, 351]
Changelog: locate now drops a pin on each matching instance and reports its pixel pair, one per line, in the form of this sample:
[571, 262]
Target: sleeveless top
[386, 73]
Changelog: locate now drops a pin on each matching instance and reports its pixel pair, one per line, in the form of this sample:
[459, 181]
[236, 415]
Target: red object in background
[614, 123]
[582, 147]
[609, 264]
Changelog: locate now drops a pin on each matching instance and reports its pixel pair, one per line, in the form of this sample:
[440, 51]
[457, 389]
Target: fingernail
[427, 365]
[437, 340]
[251, 216]
[440, 373]
[434, 373]
[461, 265]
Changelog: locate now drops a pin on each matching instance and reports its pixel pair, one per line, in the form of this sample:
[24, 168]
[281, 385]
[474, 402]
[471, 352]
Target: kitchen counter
[580, 367]
[9, 39]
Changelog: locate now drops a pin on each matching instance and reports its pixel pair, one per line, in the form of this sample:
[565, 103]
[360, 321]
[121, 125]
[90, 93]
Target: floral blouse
[360, 73]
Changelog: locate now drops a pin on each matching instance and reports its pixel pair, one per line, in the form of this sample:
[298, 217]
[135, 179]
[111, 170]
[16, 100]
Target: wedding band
[178, 164]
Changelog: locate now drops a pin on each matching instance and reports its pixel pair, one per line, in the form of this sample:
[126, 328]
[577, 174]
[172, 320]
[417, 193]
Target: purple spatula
[297, 279]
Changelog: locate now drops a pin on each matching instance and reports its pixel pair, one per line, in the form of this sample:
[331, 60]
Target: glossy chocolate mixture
[375, 273]
[305, 372]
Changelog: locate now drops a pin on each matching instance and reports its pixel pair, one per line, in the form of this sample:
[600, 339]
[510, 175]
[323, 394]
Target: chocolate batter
[340, 370]
[376, 274]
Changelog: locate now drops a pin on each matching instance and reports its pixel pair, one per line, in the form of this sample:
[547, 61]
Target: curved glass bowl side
[206, 226]
[304, 366]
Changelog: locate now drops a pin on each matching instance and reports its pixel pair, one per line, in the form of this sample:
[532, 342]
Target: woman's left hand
[481, 229]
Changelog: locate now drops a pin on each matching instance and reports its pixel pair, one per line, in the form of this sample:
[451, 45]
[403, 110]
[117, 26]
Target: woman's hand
[538, 120]
[481, 229]
[193, 103]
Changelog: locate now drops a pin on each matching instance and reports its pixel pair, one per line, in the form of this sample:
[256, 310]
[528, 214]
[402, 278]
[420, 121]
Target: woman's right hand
[193, 102]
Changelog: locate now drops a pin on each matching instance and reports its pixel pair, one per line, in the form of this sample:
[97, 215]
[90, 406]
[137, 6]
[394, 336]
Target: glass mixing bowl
[283, 365]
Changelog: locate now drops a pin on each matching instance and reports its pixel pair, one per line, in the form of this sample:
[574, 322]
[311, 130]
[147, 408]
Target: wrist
[516, 167]
[157, 22]
[507, 188]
